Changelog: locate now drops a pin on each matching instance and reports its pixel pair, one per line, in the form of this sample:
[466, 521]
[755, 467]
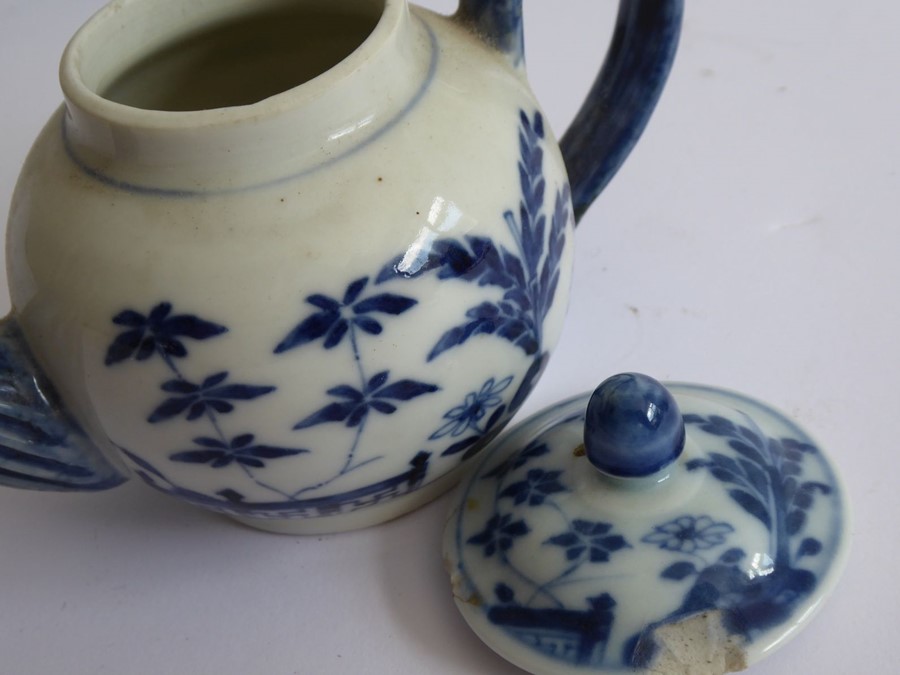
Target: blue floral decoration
[535, 487]
[688, 534]
[589, 540]
[469, 413]
[499, 533]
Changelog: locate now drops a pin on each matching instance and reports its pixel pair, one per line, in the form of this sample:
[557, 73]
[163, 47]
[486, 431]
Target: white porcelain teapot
[295, 260]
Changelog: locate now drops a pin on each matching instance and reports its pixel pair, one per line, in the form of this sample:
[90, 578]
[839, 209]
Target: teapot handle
[41, 446]
[623, 96]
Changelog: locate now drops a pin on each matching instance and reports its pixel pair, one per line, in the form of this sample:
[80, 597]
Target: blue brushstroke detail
[41, 446]
[765, 479]
[499, 22]
[576, 635]
[623, 96]
[152, 191]
[232, 502]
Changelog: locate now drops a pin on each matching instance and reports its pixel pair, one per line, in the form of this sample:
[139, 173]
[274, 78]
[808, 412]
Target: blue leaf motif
[589, 541]
[334, 318]
[240, 449]
[157, 333]
[678, 571]
[356, 405]
[198, 399]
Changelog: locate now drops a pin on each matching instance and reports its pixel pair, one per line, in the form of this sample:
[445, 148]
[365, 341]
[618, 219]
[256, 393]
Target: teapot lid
[646, 528]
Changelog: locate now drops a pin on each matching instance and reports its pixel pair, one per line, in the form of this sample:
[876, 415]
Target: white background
[750, 242]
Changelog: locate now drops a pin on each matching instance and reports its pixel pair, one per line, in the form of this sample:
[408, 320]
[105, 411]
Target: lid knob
[633, 427]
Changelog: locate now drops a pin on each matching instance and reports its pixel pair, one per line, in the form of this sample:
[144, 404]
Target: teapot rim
[80, 94]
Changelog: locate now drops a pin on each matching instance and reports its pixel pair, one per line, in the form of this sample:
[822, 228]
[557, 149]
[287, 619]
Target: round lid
[679, 529]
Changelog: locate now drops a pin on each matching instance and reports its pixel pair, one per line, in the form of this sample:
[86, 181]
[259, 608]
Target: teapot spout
[41, 445]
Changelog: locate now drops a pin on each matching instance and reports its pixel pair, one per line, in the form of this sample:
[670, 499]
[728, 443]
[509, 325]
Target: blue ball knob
[633, 427]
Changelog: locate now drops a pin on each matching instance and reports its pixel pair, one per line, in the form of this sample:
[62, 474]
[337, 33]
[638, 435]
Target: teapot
[296, 261]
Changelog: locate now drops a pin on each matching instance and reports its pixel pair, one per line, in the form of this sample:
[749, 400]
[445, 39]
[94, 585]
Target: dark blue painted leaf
[756, 476]
[575, 551]
[159, 312]
[566, 539]
[732, 556]
[377, 380]
[336, 334]
[170, 408]
[387, 303]
[333, 412]
[241, 440]
[693, 419]
[213, 380]
[459, 446]
[323, 302]
[129, 318]
[383, 407]
[459, 334]
[354, 289]
[239, 392]
[809, 547]
[504, 593]
[196, 456]
[791, 469]
[613, 543]
[678, 571]
[368, 324]
[123, 346]
[196, 411]
[346, 391]
[178, 386]
[694, 464]
[218, 405]
[191, 326]
[747, 451]
[794, 521]
[207, 442]
[719, 426]
[273, 452]
[308, 330]
[752, 505]
[357, 415]
[590, 528]
[803, 499]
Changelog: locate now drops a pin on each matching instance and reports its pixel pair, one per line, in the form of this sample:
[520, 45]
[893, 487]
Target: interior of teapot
[237, 54]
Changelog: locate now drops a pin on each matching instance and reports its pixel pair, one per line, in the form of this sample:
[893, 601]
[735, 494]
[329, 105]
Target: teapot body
[306, 317]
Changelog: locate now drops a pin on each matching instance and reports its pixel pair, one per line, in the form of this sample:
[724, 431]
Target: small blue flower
[240, 449]
[590, 539]
[537, 486]
[197, 399]
[688, 534]
[475, 406]
[158, 332]
[334, 318]
[376, 395]
[498, 534]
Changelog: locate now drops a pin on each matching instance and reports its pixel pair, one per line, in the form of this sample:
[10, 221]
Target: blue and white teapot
[294, 261]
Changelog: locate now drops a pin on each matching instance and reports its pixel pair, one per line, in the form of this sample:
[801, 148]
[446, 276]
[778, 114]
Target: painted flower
[472, 410]
[377, 395]
[535, 488]
[498, 534]
[688, 534]
[197, 399]
[158, 332]
[240, 449]
[335, 317]
[589, 539]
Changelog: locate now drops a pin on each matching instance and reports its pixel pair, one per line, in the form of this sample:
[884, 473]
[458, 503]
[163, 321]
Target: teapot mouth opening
[174, 62]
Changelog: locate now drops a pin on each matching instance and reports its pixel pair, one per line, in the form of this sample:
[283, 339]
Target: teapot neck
[205, 97]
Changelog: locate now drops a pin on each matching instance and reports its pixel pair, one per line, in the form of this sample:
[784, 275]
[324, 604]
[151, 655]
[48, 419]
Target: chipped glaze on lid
[683, 529]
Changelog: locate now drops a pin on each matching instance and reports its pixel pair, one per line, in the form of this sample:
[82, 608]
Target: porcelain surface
[562, 568]
[308, 310]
